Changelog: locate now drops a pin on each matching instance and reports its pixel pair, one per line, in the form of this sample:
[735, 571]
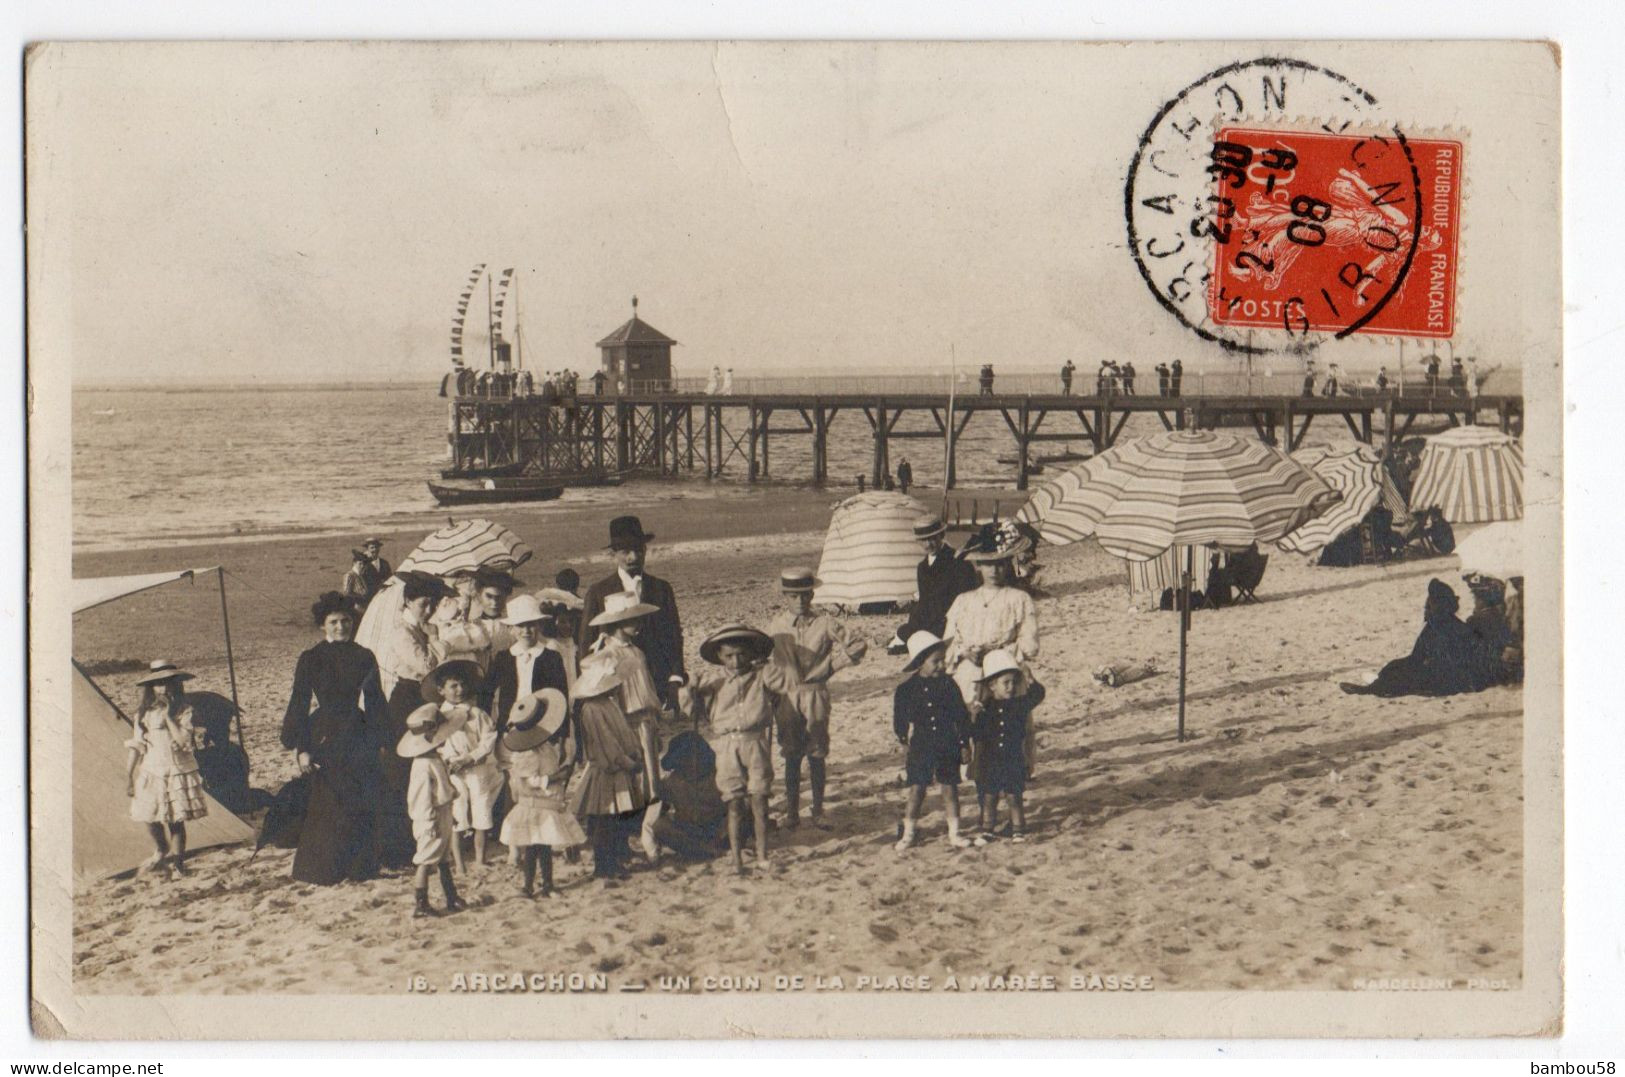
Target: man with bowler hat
[662, 637]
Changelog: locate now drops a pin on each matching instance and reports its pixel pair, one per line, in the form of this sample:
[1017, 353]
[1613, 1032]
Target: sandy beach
[1301, 838]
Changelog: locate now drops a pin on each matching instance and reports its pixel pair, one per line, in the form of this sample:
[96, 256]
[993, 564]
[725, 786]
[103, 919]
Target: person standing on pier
[1382, 379]
[1103, 378]
[1331, 387]
[987, 379]
[1458, 378]
[662, 637]
[1433, 375]
[728, 382]
[1176, 377]
[1066, 380]
[598, 380]
[1309, 378]
[1128, 377]
[1162, 379]
[714, 382]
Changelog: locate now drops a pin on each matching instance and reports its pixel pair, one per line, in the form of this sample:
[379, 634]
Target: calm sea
[153, 467]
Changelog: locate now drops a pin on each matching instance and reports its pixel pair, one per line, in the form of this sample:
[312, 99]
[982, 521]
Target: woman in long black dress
[337, 745]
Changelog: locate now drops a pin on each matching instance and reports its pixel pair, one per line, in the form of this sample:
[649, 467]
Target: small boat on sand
[488, 491]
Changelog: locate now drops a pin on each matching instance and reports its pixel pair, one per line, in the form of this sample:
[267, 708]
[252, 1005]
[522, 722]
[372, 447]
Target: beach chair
[1246, 573]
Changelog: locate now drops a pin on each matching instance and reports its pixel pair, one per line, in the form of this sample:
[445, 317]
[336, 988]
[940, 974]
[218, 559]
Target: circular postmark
[1271, 198]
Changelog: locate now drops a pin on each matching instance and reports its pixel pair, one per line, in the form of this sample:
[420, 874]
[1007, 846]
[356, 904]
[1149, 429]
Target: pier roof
[635, 331]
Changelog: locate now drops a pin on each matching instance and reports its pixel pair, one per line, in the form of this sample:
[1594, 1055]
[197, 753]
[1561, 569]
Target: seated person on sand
[1449, 657]
[695, 822]
[1491, 621]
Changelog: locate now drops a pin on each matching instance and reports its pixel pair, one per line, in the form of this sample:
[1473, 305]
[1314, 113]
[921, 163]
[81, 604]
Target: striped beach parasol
[1183, 488]
[1471, 474]
[1356, 472]
[870, 552]
[465, 547]
[1179, 488]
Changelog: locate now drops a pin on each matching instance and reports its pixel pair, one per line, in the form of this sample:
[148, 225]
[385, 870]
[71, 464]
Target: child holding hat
[539, 751]
[744, 693]
[1002, 714]
[930, 719]
[811, 648]
[162, 779]
[470, 752]
[429, 796]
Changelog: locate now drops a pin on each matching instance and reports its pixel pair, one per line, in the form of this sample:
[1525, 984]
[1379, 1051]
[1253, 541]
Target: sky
[292, 213]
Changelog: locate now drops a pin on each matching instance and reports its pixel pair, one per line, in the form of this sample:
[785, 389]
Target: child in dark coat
[999, 728]
[929, 717]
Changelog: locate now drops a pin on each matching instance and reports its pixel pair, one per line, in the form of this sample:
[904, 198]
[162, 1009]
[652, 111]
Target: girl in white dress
[162, 780]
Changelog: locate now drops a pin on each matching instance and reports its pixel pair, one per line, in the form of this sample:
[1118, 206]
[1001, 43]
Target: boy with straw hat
[743, 691]
[429, 797]
[930, 720]
[810, 647]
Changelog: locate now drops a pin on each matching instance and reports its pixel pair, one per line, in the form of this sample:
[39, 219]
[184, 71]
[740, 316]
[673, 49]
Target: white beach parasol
[466, 547]
[1495, 550]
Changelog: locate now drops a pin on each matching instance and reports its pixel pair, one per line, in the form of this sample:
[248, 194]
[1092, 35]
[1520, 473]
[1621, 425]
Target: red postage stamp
[1318, 231]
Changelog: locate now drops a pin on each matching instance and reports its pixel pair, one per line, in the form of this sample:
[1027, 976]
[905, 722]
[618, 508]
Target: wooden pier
[655, 433]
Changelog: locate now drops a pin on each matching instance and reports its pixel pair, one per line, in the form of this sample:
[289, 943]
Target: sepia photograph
[797, 539]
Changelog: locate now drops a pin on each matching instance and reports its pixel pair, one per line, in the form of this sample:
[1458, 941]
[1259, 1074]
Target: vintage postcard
[570, 541]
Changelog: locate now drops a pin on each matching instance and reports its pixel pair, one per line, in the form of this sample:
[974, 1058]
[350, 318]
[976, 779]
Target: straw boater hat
[921, 644]
[426, 730]
[162, 670]
[626, 532]
[535, 718]
[760, 643]
[598, 678]
[470, 669]
[997, 662]
[622, 607]
[558, 596]
[798, 579]
[929, 527]
[522, 610]
[373, 540]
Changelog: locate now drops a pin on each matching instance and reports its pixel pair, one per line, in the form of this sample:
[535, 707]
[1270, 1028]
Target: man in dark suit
[662, 638]
[375, 570]
[940, 577]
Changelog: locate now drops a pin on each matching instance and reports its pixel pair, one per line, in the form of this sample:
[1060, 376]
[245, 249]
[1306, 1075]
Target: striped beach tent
[467, 546]
[1472, 474]
[1178, 488]
[1162, 572]
[870, 552]
[1356, 472]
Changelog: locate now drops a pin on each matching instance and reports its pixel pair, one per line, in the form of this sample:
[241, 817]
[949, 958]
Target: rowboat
[487, 491]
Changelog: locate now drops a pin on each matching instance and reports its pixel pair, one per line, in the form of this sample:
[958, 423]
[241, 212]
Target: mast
[518, 330]
[490, 326]
[948, 434]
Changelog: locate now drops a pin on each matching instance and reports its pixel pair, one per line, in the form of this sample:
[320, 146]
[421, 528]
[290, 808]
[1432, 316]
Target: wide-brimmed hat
[622, 606]
[372, 540]
[427, 729]
[929, 527]
[760, 643]
[995, 542]
[535, 718]
[161, 670]
[437, 587]
[798, 579]
[921, 644]
[997, 662]
[597, 678]
[558, 596]
[522, 610]
[626, 532]
[470, 669]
